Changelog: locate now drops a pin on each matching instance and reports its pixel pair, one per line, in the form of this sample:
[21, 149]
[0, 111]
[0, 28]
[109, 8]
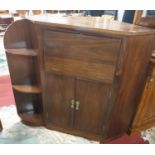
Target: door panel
[60, 92]
[81, 47]
[92, 57]
[94, 71]
[93, 98]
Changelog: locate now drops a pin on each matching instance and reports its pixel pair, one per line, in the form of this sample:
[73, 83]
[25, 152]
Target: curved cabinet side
[21, 37]
[18, 34]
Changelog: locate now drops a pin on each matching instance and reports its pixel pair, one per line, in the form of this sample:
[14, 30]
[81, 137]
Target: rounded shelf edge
[27, 89]
[31, 119]
[21, 52]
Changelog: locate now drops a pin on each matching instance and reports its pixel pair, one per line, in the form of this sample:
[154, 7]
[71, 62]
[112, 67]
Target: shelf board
[27, 89]
[31, 118]
[22, 51]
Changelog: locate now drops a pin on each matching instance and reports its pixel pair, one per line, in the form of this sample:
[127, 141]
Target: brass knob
[72, 104]
[77, 105]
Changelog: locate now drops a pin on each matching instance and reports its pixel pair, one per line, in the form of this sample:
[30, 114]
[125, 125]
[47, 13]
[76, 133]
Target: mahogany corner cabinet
[79, 75]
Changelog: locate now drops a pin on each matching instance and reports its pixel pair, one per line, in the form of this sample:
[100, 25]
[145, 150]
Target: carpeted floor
[6, 94]
[3, 62]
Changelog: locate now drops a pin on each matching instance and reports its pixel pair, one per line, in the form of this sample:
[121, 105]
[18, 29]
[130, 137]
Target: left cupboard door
[59, 100]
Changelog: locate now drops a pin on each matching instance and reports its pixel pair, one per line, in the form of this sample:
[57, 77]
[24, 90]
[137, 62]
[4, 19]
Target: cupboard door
[59, 93]
[93, 103]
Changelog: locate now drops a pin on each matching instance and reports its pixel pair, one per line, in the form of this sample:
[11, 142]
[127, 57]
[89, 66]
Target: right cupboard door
[91, 104]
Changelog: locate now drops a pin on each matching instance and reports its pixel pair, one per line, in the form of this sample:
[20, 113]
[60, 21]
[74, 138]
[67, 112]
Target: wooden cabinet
[79, 75]
[79, 72]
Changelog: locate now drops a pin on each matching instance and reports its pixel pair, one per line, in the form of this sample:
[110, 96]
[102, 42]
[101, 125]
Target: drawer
[81, 55]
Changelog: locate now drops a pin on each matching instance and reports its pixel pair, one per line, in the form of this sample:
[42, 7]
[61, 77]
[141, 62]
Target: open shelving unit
[25, 77]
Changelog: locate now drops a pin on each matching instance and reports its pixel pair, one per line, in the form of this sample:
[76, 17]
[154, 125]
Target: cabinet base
[76, 133]
[98, 138]
[37, 121]
[31, 119]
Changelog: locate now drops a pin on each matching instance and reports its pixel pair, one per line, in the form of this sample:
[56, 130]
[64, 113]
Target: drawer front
[89, 57]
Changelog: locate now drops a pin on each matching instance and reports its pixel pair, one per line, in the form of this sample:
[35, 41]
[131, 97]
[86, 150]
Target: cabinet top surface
[96, 24]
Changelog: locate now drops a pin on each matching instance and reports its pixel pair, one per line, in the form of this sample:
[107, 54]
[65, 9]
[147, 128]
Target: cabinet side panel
[132, 79]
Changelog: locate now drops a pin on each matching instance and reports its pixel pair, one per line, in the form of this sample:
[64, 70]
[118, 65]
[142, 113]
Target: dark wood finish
[20, 43]
[105, 72]
[16, 40]
[95, 56]
[81, 47]
[27, 71]
[1, 127]
[27, 102]
[131, 84]
[93, 100]
[60, 93]
[102, 65]
[32, 119]
[88, 135]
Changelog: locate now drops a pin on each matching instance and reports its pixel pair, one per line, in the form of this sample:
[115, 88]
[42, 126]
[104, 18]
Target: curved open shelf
[27, 89]
[22, 51]
[20, 42]
[31, 118]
